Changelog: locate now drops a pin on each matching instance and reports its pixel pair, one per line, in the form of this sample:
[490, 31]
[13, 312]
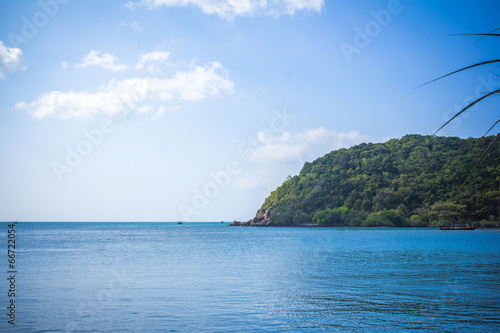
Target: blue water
[153, 277]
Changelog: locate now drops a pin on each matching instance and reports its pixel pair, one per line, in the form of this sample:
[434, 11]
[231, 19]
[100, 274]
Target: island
[415, 181]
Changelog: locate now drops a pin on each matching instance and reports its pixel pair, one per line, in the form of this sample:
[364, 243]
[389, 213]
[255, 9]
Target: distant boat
[454, 227]
[180, 222]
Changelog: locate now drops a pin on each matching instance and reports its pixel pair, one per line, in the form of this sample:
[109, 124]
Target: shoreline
[312, 225]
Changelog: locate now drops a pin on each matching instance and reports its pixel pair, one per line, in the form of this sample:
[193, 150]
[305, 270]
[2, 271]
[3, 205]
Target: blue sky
[195, 110]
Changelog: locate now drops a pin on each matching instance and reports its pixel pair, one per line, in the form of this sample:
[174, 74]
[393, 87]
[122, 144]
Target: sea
[209, 277]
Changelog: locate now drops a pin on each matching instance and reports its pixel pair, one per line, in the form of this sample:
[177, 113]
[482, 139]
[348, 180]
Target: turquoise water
[153, 277]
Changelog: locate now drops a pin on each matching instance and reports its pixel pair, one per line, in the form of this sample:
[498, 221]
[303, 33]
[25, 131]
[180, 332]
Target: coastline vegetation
[415, 181]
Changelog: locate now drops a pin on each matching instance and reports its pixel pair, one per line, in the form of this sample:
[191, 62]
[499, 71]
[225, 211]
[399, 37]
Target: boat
[454, 227]
[180, 222]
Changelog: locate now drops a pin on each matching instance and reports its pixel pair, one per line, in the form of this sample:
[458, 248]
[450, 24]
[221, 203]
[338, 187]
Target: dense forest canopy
[412, 181]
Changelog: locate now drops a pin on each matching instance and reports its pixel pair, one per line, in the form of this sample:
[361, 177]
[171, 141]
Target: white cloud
[144, 109]
[106, 61]
[228, 9]
[11, 59]
[274, 158]
[307, 144]
[293, 5]
[134, 25]
[151, 61]
[64, 64]
[160, 111]
[132, 95]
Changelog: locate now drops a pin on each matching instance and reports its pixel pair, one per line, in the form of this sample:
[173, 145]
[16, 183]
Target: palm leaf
[467, 107]
[483, 35]
[462, 69]
[498, 121]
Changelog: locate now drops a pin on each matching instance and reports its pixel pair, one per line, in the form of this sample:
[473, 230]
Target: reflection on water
[164, 277]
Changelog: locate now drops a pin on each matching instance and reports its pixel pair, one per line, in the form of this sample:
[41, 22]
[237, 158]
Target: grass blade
[484, 35]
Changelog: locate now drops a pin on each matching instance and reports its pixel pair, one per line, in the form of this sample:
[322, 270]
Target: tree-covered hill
[412, 181]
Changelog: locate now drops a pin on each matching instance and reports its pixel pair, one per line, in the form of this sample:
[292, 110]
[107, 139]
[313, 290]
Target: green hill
[412, 181]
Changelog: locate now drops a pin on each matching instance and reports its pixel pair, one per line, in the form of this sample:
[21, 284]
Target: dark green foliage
[328, 217]
[282, 219]
[338, 217]
[389, 218]
[417, 221]
[377, 220]
[301, 218]
[446, 211]
[385, 218]
[400, 178]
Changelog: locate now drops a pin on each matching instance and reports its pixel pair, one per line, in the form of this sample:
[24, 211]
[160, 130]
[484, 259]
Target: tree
[446, 212]
[494, 195]
[389, 218]
[328, 218]
[416, 221]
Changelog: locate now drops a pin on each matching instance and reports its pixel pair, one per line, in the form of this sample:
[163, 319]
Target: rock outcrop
[260, 220]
